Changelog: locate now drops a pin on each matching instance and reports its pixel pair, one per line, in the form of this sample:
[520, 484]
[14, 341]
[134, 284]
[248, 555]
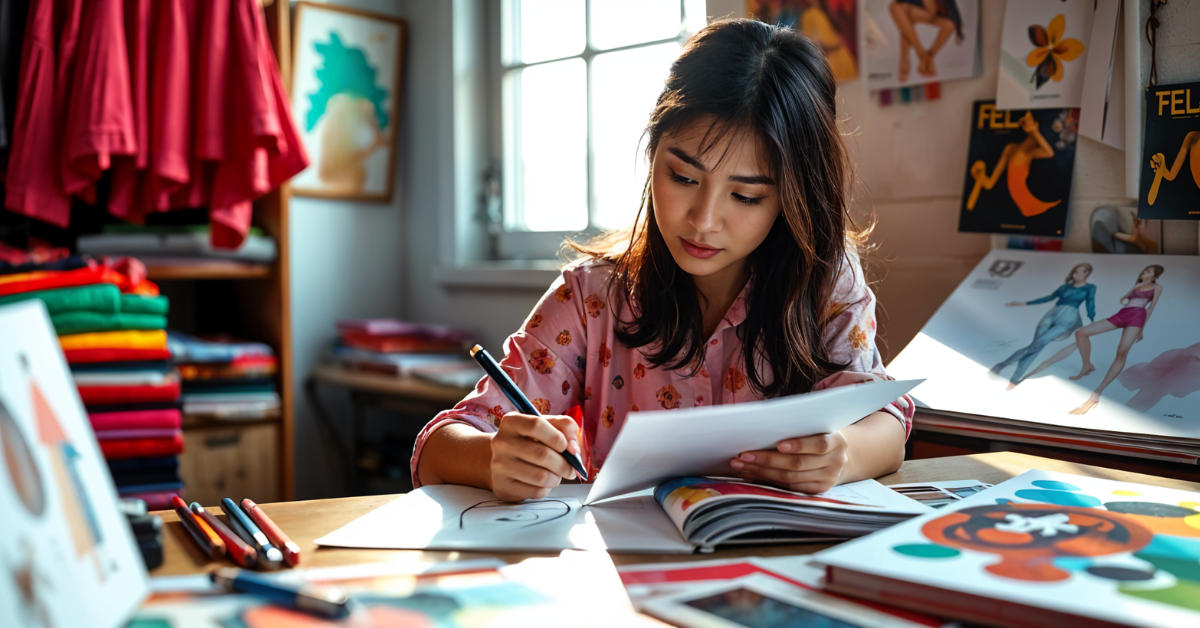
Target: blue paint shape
[1003, 500]
[1070, 563]
[1055, 485]
[1060, 498]
[1173, 547]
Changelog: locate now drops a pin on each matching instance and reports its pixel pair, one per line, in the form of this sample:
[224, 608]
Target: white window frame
[513, 243]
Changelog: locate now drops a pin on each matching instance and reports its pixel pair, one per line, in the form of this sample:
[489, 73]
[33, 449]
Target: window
[577, 80]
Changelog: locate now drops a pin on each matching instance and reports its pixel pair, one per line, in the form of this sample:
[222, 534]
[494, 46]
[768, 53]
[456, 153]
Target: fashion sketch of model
[1138, 305]
[1017, 157]
[942, 14]
[1158, 163]
[1059, 323]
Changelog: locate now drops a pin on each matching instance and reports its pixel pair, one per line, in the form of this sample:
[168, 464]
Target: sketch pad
[449, 517]
[657, 446]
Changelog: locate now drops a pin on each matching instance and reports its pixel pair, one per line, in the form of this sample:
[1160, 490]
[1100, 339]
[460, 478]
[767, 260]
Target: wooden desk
[305, 521]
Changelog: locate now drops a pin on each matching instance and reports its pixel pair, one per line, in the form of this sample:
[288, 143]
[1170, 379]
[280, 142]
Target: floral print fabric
[567, 355]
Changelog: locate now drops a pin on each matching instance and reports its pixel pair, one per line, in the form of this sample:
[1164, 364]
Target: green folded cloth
[138, 304]
[86, 322]
[96, 298]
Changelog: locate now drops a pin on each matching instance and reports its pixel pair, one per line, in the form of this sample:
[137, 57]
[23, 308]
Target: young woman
[739, 281]
[1138, 305]
[1057, 324]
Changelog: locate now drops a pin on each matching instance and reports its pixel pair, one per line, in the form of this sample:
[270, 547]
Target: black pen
[518, 399]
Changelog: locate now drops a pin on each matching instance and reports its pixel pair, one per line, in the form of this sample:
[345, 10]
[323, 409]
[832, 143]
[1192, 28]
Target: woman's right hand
[526, 458]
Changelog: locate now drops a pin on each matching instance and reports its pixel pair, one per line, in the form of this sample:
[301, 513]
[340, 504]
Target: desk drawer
[234, 462]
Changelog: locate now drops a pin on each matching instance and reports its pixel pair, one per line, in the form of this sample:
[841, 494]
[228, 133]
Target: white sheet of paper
[657, 446]
[1101, 114]
[448, 517]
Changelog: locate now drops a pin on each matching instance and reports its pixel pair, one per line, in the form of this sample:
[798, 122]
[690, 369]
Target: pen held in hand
[518, 399]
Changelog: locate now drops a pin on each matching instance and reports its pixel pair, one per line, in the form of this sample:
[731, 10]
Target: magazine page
[1117, 551]
[686, 497]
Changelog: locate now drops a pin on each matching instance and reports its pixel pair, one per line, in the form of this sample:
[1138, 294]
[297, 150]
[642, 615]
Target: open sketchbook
[1042, 549]
[680, 517]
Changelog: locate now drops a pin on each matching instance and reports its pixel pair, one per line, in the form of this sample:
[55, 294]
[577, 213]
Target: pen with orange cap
[291, 551]
[200, 531]
[238, 550]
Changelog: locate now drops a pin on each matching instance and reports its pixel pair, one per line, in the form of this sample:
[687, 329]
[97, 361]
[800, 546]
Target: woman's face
[1080, 274]
[1147, 275]
[712, 215]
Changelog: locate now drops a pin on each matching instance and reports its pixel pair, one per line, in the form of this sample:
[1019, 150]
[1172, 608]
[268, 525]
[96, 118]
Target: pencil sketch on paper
[529, 513]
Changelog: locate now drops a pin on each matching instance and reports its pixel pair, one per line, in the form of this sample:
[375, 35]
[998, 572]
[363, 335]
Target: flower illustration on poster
[1051, 50]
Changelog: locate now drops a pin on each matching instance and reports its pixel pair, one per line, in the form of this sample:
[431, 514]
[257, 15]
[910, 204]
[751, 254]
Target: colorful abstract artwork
[1055, 541]
[67, 557]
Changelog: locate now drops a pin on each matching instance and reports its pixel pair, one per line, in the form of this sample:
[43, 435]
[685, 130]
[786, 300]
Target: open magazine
[711, 511]
[689, 514]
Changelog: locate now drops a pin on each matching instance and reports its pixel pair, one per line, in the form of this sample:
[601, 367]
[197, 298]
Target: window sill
[537, 274]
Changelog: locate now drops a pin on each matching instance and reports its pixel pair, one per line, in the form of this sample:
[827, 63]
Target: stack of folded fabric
[224, 378]
[397, 347]
[184, 245]
[111, 325]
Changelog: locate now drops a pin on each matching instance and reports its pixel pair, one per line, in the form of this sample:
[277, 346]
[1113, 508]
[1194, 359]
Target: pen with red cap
[238, 550]
[291, 551]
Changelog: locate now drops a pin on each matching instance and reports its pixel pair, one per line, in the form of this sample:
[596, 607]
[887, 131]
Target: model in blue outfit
[1058, 324]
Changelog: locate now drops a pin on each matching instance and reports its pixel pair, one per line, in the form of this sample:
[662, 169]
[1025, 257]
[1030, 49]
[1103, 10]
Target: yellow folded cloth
[155, 339]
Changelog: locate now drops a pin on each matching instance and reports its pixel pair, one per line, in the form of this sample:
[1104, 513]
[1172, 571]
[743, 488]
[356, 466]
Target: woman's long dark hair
[748, 77]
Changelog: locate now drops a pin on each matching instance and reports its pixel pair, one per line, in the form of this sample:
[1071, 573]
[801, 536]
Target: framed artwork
[1043, 54]
[346, 85]
[914, 42]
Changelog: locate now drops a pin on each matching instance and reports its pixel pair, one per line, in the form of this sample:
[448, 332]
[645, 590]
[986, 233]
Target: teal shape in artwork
[344, 70]
[1060, 498]
[1070, 563]
[1055, 485]
[1176, 555]
[926, 550]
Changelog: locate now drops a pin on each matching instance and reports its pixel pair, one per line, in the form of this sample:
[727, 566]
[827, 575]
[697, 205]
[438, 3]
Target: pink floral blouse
[567, 355]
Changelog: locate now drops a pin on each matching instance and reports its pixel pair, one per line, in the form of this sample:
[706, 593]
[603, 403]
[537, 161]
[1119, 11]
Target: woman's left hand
[812, 464]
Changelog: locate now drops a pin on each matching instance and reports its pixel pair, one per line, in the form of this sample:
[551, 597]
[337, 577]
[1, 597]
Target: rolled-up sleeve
[850, 340]
[544, 359]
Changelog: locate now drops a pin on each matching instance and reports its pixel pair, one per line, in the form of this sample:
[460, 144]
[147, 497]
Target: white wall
[347, 261]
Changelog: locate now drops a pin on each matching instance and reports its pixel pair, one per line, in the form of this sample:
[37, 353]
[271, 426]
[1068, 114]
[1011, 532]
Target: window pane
[549, 29]
[550, 149]
[616, 23]
[625, 86]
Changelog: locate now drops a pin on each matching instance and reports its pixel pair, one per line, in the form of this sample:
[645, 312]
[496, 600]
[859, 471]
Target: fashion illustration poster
[67, 556]
[1042, 53]
[832, 24]
[1171, 159]
[1019, 170]
[913, 42]
[1094, 341]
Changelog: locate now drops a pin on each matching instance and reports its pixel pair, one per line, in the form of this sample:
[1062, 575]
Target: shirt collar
[736, 314]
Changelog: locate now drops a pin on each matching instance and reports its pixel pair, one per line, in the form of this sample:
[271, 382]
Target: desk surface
[308, 520]
[392, 385]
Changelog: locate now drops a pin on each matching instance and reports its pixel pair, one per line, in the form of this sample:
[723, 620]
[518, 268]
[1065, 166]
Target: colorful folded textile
[398, 344]
[162, 366]
[238, 369]
[143, 419]
[259, 393]
[187, 348]
[247, 384]
[144, 304]
[233, 410]
[103, 435]
[95, 298]
[49, 280]
[144, 465]
[101, 408]
[98, 395]
[123, 378]
[80, 356]
[82, 322]
[153, 339]
[149, 488]
[142, 447]
[156, 477]
[84, 356]
[160, 500]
